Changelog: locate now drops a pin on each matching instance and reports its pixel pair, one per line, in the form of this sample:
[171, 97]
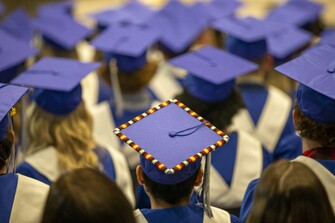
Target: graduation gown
[324, 169]
[184, 214]
[22, 199]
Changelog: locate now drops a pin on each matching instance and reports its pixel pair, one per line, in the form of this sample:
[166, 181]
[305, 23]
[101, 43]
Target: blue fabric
[247, 200]
[329, 165]
[290, 147]
[29, 171]
[105, 91]
[106, 161]
[267, 158]
[8, 184]
[8, 74]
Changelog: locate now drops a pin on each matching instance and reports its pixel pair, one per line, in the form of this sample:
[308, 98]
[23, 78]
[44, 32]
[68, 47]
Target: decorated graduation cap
[315, 71]
[56, 82]
[9, 95]
[18, 25]
[246, 37]
[13, 53]
[61, 31]
[212, 72]
[180, 25]
[296, 12]
[286, 42]
[56, 7]
[131, 13]
[328, 37]
[128, 44]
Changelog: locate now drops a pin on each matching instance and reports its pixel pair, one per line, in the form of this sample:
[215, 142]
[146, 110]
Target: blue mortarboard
[131, 13]
[218, 9]
[180, 26]
[58, 83]
[18, 25]
[171, 139]
[9, 95]
[13, 52]
[297, 12]
[328, 37]
[286, 42]
[61, 31]
[246, 37]
[128, 44]
[315, 71]
[212, 72]
[56, 8]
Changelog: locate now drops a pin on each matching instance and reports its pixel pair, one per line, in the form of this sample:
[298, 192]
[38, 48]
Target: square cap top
[56, 7]
[18, 25]
[217, 9]
[9, 95]
[314, 69]
[61, 30]
[131, 13]
[328, 37]
[214, 65]
[180, 25]
[129, 40]
[247, 29]
[13, 52]
[296, 12]
[51, 73]
[171, 137]
[286, 42]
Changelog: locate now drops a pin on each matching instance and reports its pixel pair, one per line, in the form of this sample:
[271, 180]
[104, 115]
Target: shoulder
[27, 170]
[248, 199]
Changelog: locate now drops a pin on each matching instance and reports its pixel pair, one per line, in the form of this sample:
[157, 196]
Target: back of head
[85, 195]
[289, 192]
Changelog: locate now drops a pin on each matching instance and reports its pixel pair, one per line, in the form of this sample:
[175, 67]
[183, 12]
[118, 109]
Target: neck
[308, 144]
[159, 204]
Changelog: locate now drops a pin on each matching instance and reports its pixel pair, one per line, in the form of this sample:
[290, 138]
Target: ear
[198, 180]
[139, 175]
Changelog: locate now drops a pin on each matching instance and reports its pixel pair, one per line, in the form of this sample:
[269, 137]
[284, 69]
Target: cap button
[172, 134]
[331, 68]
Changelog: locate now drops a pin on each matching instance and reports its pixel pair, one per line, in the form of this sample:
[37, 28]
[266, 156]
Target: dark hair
[290, 192]
[171, 194]
[219, 113]
[308, 128]
[5, 147]
[85, 195]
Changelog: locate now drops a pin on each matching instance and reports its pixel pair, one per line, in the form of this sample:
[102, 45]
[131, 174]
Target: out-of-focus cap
[171, 139]
[56, 8]
[180, 26]
[315, 71]
[328, 37]
[9, 95]
[286, 42]
[13, 52]
[212, 72]
[58, 83]
[61, 31]
[18, 25]
[128, 44]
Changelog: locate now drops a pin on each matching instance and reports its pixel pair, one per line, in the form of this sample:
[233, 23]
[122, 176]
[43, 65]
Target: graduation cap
[315, 71]
[57, 81]
[297, 12]
[246, 37]
[180, 26]
[13, 53]
[128, 44]
[131, 13]
[56, 8]
[328, 37]
[218, 9]
[61, 31]
[18, 25]
[9, 95]
[212, 72]
[286, 42]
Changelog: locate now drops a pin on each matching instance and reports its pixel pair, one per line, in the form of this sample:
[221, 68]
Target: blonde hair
[71, 135]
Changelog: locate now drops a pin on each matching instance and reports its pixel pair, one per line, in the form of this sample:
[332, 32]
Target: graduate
[171, 140]
[210, 89]
[269, 109]
[313, 117]
[60, 126]
[22, 198]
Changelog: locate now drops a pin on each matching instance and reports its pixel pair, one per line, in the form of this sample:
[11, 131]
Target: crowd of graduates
[167, 111]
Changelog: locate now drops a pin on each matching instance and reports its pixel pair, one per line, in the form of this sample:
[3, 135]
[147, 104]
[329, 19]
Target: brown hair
[71, 135]
[85, 195]
[290, 192]
[308, 128]
[5, 147]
